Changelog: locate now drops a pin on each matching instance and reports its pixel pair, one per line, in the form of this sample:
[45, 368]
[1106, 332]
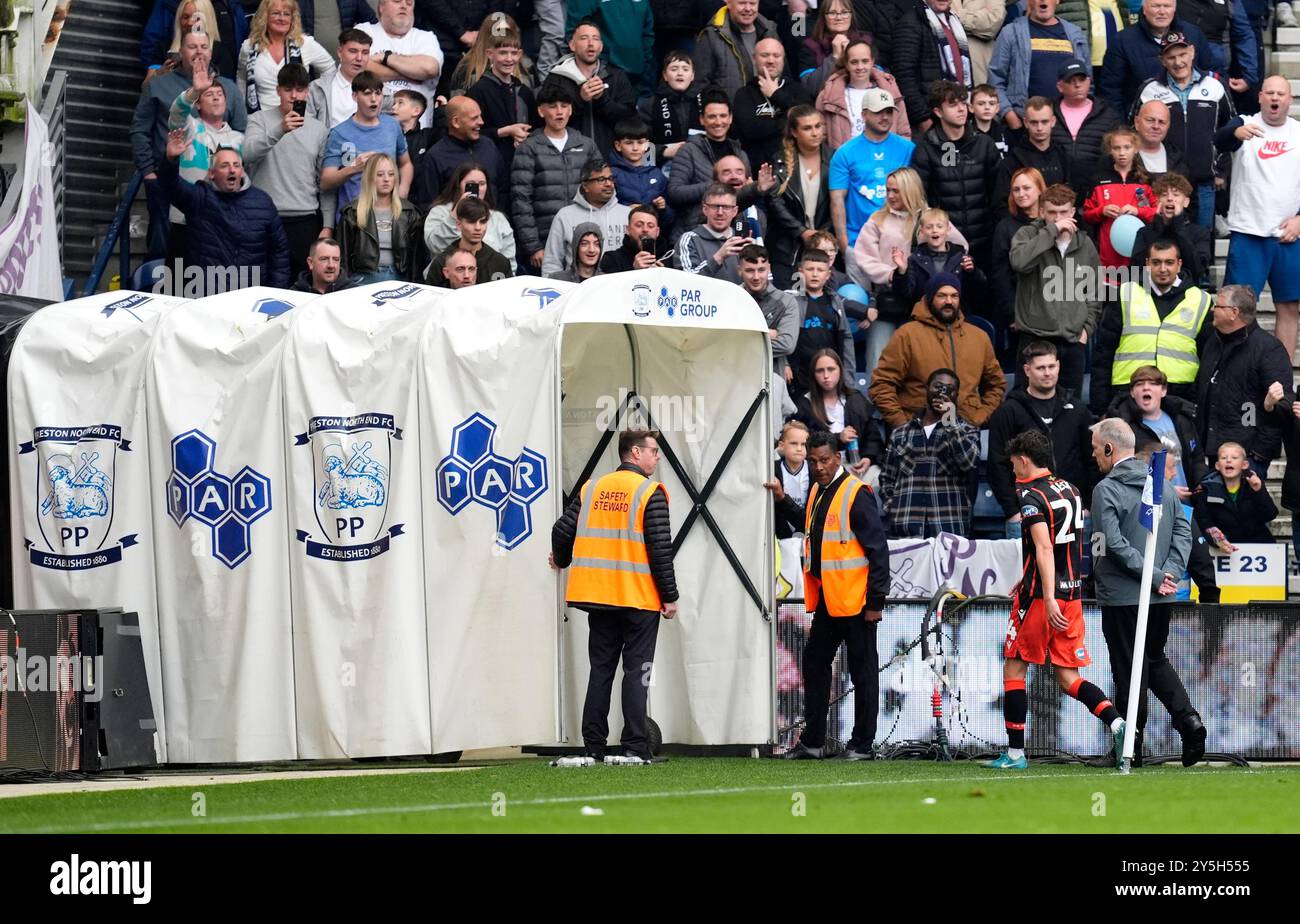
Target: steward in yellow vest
[1163, 325]
[846, 578]
[616, 540]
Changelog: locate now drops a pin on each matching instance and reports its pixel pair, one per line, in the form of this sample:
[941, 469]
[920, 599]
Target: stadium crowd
[956, 215]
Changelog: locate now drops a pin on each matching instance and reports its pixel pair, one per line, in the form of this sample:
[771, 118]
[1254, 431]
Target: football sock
[1015, 709]
[1015, 753]
[1091, 696]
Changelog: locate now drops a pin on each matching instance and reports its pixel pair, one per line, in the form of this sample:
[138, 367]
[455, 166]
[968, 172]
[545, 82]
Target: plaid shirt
[924, 482]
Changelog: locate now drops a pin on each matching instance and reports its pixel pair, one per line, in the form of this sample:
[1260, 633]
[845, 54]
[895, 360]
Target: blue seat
[984, 325]
[862, 380]
[142, 279]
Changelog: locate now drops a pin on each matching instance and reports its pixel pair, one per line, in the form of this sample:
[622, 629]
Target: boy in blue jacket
[636, 181]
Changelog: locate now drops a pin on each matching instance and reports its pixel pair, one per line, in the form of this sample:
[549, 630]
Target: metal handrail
[120, 218]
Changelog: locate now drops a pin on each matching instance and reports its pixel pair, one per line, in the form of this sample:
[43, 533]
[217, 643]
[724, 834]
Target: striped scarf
[292, 55]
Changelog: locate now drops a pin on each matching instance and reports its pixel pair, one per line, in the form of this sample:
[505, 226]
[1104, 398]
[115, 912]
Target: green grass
[700, 795]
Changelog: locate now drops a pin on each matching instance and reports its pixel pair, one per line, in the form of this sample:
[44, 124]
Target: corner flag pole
[1149, 515]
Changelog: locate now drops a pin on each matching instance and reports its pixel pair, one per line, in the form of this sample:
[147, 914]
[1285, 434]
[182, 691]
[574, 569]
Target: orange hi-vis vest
[610, 564]
[844, 560]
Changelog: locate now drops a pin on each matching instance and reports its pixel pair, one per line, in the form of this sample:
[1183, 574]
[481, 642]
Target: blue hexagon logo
[473, 471]
[210, 498]
[272, 307]
[471, 440]
[490, 481]
[230, 542]
[514, 523]
[251, 495]
[452, 477]
[192, 454]
[178, 499]
[528, 478]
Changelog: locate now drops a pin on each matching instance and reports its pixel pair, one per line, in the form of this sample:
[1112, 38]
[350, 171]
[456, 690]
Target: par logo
[544, 296]
[352, 476]
[76, 468]
[667, 302]
[227, 506]
[473, 473]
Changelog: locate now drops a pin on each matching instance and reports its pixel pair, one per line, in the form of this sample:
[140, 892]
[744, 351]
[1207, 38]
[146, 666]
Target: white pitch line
[186, 822]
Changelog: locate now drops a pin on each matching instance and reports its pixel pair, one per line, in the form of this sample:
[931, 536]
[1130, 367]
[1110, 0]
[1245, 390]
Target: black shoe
[1193, 733]
[799, 752]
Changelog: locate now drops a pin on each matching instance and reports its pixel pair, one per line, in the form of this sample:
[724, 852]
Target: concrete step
[1286, 37]
[1286, 63]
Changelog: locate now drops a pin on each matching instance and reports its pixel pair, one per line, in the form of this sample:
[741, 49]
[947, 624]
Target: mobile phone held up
[300, 107]
[471, 189]
[740, 227]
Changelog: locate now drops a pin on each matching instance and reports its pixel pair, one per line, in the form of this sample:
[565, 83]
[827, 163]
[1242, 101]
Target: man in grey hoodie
[283, 152]
[588, 248]
[594, 202]
[1117, 569]
[780, 309]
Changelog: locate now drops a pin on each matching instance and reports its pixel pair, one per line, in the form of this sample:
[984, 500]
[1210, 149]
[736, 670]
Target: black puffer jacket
[658, 541]
[1068, 432]
[543, 181]
[671, 116]
[1183, 414]
[1002, 281]
[1235, 375]
[958, 176]
[1083, 152]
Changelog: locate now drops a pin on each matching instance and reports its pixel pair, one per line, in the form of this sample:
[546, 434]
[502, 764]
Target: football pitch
[690, 795]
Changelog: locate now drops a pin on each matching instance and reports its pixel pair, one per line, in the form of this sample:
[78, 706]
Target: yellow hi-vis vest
[844, 560]
[610, 562]
[1169, 345]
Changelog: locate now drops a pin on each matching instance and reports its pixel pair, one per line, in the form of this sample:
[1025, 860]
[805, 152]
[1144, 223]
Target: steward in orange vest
[616, 540]
[846, 578]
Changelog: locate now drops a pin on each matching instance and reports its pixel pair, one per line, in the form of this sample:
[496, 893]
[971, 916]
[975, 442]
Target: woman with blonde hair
[840, 101]
[275, 38]
[888, 229]
[379, 232]
[498, 30]
[801, 204]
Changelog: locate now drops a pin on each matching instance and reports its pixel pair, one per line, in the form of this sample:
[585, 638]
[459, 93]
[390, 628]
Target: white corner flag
[1149, 517]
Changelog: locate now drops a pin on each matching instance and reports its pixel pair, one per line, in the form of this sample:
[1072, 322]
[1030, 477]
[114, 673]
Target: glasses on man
[600, 179]
[720, 206]
[653, 450]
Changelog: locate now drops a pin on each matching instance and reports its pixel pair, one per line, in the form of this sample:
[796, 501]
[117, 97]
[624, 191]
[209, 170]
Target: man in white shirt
[402, 56]
[329, 98]
[1263, 213]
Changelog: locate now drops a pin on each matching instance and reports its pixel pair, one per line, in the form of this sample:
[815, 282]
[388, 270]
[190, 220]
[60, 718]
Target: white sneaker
[1285, 16]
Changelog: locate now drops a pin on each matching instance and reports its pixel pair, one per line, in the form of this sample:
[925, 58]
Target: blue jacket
[1009, 67]
[1133, 57]
[230, 230]
[641, 184]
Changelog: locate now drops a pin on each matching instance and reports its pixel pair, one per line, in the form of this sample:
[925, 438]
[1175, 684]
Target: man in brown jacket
[938, 338]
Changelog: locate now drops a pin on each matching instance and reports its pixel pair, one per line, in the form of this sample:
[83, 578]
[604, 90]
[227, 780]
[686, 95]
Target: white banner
[356, 556]
[29, 242]
[216, 447]
[1255, 571]
[80, 490]
[488, 400]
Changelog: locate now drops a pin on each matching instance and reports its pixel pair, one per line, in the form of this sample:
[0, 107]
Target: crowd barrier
[1239, 663]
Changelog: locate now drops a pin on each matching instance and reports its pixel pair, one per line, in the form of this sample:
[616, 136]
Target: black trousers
[1200, 567]
[859, 637]
[631, 634]
[301, 230]
[1119, 625]
[1072, 356]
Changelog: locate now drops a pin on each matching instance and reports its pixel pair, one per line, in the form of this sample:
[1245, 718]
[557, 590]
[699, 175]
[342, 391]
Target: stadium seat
[142, 279]
[862, 380]
[985, 325]
[987, 521]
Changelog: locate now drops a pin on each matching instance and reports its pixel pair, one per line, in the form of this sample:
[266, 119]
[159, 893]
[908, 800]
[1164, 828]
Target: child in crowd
[354, 141]
[792, 473]
[408, 108]
[1120, 189]
[674, 110]
[1232, 504]
[509, 110]
[822, 322]
[637, 181]
[934, 253]
[1173, 195]
[984, 111]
